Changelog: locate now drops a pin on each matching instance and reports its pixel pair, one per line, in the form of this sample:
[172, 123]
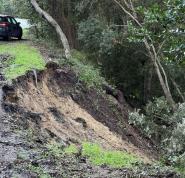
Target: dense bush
[177, 139]
[90, 34]
[107, 45]
[160, 124]
[156, 122]
[165, 127]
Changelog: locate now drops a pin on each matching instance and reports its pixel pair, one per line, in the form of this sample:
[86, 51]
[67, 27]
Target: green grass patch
[99, 156]
[25, 58]
[72, 149]
[26, 33]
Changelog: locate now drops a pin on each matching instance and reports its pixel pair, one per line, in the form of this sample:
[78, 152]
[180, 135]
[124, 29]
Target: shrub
[86, 72]
[176, 143]
[159, 121]
[55, 149]
[71, 149]
[156, 121]
[90, 34]
[160, 124]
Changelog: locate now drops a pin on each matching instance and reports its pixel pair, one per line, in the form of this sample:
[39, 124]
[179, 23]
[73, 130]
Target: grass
[39, 171]
[72, 149]
[55, 149]
[99, 156]
[87, 72]
[25, 57]
[96, 155]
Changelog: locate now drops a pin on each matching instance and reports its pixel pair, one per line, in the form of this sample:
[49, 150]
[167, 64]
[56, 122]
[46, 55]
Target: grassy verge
[25, 57]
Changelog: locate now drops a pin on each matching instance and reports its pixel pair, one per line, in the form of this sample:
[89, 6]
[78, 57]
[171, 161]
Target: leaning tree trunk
[53, 22]
[148, 81]
[164, 87]
[158, 67]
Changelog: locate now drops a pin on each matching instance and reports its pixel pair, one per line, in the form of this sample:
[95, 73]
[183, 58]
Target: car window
[2, 19]
[13, 21]
[9, 20]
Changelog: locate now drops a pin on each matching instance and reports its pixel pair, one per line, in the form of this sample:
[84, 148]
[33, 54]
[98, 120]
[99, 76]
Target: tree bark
[157, 67]
[148, 81]
[58, 29]
[178, 89]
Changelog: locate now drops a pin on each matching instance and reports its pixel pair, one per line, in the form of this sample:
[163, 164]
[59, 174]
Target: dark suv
[9, 27]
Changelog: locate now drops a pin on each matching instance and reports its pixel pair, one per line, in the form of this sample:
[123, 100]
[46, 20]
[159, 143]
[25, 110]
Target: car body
[9, 27]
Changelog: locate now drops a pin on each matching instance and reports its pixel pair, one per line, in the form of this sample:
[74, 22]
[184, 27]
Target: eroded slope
[64, 107]
[54, 107]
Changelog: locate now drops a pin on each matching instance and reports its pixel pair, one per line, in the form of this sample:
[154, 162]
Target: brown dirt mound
[59, 104]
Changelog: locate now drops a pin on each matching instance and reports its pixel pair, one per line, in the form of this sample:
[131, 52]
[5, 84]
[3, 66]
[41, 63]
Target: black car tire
[6, 38]
[20, 35]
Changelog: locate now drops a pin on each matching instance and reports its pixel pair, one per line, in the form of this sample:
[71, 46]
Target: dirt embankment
[65, 108]
[54, 107]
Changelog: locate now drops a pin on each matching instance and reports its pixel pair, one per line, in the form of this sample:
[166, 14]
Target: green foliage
[90, 34]
[116, 159]
[162, 24]
[179, 163]
[90, 76]
[71, 149]
[115, 56]
[86, 72]
[166, 128]
[156, 122]
[177, 140]
[55, 149]
[26, 58]
[39, 171]
[6, 7]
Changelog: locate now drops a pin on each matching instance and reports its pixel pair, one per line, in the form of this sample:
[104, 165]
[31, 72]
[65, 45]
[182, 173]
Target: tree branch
[53, 22]
[127, 12]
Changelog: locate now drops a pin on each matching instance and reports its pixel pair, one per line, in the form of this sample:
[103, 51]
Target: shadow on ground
[13, 40]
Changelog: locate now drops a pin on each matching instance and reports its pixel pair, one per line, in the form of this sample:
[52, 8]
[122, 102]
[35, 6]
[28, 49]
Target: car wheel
[6, 38]
[20, 35]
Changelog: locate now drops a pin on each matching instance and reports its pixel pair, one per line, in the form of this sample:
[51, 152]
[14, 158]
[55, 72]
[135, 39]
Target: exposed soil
[59, 101]
[54, 107]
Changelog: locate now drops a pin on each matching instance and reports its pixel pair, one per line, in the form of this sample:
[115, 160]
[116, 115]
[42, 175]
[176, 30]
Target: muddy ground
[55, 108]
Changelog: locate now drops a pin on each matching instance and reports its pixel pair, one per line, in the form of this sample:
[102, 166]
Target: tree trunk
[178, 89]
[164, 87]
[148, 81]
[53, 22]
